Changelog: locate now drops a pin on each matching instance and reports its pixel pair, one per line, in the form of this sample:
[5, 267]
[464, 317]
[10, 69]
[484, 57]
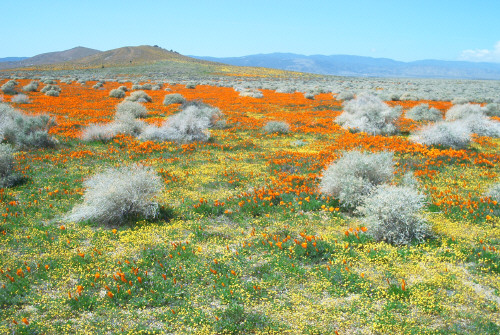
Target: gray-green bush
[8, 176]
[191, 124]
[31, 87]
[494, 192]
[354, 175]
[367, 113]
[174, 98]
[9, 87]
[23, 131]
[117, 194]
[117, 93]
[454, 134]
[459, 112]
[394, 214]
[422, 112]
[20, 99]
[276, 127]
[139, 96]
[130, 108]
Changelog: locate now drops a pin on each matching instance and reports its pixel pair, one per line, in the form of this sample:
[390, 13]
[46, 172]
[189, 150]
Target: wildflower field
[245, 241]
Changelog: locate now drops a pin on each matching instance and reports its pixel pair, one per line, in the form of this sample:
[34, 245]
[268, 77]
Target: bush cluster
[353, 176]
[125, 122]
[23, 131]
[189, 125]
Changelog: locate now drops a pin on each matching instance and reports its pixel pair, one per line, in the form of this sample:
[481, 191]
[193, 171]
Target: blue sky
[401, 30]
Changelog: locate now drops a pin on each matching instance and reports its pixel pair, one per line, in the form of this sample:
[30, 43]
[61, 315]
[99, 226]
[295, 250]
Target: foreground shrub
[9, 87]
[118, 194]
[454, 134]
[367, 113]
[128, 109]
[174, 98]
[393, 214]
[278, 127]
[459, 112]
[117, 93]
[353, 176]
[139, 96]
[8, 177]
[422, 112]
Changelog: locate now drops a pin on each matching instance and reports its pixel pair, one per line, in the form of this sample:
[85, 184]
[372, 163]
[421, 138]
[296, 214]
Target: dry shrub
[117, 194]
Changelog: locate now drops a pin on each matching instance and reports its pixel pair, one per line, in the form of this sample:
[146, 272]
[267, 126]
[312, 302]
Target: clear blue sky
[402, 30]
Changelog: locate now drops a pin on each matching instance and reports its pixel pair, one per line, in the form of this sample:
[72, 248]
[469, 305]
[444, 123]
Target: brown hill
[51, 58]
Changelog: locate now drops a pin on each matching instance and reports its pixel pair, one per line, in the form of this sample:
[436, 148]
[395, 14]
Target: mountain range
[340, 65]
[359, 66]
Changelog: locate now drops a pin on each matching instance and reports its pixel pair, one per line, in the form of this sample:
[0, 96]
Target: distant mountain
[50, 58]
[346, 65]
[12, 59]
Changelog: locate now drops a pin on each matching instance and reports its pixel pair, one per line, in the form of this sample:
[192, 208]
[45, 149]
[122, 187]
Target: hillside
[143, 54]
[148, 59]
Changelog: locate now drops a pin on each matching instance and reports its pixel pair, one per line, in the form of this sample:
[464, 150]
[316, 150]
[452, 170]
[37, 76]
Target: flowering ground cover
[246, 243]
